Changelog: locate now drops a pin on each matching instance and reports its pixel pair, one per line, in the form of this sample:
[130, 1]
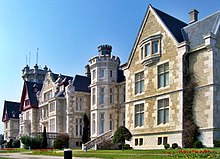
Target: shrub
[32, 142]
[127, 147]
[16, 144]
[174, 145]
[166, 146]
[122, 134]
[197, 144]
[62, 141]
[217, 143]
[9, 144]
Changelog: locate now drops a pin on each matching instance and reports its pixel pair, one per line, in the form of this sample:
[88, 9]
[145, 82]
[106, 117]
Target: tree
[44, 143]
[85, 136]
[122, 134]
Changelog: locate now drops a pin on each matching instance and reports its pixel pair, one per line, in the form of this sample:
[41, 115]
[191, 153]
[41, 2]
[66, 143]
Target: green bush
[197, 144]
[166, 146]
[127, 147]
[32, 142]
[16, 144]
[174, 145]
[62, 141]
[217, 143]
[9, 144]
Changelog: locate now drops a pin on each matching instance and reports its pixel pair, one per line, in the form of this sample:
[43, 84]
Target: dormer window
[151, 49]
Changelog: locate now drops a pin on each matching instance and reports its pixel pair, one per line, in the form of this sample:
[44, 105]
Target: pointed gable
[11, 110]
[154, 23]
[29, 98]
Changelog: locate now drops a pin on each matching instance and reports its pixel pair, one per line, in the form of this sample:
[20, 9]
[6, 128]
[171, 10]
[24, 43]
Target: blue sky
[68, 32]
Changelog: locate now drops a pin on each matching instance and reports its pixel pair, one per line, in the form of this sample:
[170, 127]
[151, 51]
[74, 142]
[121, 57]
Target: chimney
[87, 71]
[193, 15]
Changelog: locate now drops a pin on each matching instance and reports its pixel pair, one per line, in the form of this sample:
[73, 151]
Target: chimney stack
[193, 15]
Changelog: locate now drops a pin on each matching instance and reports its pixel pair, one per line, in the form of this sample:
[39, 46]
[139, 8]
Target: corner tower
[104, 91]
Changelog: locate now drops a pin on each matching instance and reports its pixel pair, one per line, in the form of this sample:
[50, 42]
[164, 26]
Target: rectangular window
[79, 103]
[52, 106]
[163, 111]
[155, 47]
[110, 122]
[79, 126]
[52, 125]
[110, 73]
[93, 123]
[136, 142]
[164, 140]
[93, 74]
[139, 82]
[26, 102]
[102, 123]
[93, 96]
[141, 141]
[47, 95]
[139, 115]
[111, 91]
[159, 141]
[101, 95]
[163, 75]
[142, 53]
[101, 73]
[147, 49]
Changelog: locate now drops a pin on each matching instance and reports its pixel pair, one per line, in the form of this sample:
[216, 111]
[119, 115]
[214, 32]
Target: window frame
[139, 83]
[138, 115]
[165, 106]
[164, 73]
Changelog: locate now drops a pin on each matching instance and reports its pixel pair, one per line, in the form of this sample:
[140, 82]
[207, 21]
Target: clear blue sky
[67, 33]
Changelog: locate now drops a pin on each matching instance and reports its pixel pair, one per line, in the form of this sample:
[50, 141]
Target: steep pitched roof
[172, 23]
[120, 77]
[195, 32]
[29, 88]
[82, 83]
[11, 110]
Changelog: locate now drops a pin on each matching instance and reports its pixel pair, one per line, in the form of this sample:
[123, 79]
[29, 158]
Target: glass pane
[142, 86]
[161, 81]
[136, 87]
[160, 69]
[137, 77]
[141, 119]
[141, 107]
[147, 49]
[136, 108]
[160, 116]
[160, 104]
[166, 66]
[166, 102]
[142, 52]
[166, 120]
[141, 75]
[155, 47]
[137, 120]
[167, 79]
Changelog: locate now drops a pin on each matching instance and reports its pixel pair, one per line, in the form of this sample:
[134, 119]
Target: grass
[126, 154]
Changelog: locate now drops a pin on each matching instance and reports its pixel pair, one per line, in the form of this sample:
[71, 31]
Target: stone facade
[107, 92]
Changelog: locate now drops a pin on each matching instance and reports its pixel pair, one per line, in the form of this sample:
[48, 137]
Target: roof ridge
[169, 15]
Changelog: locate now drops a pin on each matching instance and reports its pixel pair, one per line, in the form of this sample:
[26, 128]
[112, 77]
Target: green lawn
[130, 154]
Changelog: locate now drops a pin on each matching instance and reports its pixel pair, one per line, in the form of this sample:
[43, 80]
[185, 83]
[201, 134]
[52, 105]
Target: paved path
[26, 156]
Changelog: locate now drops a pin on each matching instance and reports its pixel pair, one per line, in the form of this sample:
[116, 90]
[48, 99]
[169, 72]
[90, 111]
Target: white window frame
[163, 108]
[163, 74]
[139, 82]
[139, 113]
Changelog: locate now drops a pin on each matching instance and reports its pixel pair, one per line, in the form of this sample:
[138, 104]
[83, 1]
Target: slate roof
[173, 24]
[82, 83]
[195, 32]
[10, 108]
[120, 77]
[31, 94]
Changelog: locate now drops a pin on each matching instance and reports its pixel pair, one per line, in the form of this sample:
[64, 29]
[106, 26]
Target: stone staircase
[99, 141]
